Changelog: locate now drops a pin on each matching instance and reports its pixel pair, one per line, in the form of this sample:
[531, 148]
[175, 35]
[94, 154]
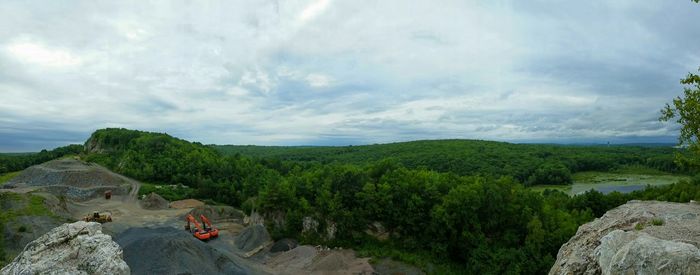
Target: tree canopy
[685, 110]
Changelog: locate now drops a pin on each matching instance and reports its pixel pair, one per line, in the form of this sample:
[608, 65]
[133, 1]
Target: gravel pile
[308, 260]
[154, 201]
[71, 178]
[252, 239]
[68, 172]
[168, 250]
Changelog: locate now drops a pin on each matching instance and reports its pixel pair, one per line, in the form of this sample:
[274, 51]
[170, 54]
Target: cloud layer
[343, 72]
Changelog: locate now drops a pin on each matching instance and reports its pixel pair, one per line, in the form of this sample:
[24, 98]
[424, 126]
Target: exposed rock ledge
[75, 248]
[640, 237]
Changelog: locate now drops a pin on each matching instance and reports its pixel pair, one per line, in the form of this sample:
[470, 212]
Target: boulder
[639, 237]
[623, 252]
[75, 248]
[284, 245]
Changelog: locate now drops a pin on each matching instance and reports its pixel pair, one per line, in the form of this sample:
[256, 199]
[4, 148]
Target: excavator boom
[198, 233]
[208, 227]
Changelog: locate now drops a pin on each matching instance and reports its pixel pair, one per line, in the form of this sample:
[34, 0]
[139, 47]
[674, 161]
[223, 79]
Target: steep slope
[75, 179]
[639, 237]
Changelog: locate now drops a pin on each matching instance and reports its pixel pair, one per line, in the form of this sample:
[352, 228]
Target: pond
[610, 182]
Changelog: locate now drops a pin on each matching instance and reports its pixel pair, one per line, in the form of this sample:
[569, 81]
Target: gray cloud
[343, 72]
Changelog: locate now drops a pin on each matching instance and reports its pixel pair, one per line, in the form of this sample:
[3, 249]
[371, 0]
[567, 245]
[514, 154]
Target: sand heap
[154, 201]
[308, 260]
[188, 203]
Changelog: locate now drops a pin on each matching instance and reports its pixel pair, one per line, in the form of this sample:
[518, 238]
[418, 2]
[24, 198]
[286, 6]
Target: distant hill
[468, 157]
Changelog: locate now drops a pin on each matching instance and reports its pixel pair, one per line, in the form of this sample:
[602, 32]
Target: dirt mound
[154, 201]
[188, 203]
[308, 260]
[217, 213]
[71, 178]
[168, 250]
[389, 266]
[340, 262]
[295, 260]
[252, 239]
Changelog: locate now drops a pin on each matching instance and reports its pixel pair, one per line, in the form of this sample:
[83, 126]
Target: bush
[22, 228]
[657, 222]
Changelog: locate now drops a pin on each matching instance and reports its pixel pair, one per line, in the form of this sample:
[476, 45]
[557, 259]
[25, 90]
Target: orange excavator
[212, 231]
[197, 232]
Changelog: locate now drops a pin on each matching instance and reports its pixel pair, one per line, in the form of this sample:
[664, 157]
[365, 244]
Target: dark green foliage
[168, 192]
[16, 162]
[550, 173]
[685, 111]
[473, 157]
[2, 245]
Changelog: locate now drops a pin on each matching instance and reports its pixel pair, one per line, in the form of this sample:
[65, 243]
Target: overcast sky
[325, 72]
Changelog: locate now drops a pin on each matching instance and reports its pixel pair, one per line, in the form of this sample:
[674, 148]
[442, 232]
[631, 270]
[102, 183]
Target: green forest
[399, 200]
[527, 163]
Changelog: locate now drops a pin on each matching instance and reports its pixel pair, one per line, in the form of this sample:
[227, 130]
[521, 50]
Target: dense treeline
[482, 221]
[16, 162]
[527, 163]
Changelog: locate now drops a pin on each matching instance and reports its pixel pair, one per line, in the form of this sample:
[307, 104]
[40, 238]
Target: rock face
[76, 248]
[636, 238]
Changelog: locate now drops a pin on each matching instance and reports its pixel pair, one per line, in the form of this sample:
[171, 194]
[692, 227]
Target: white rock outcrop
[623, 252]
[639, 237]
[75, 248]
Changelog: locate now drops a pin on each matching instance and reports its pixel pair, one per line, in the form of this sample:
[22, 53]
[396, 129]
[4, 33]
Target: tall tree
[686, 111]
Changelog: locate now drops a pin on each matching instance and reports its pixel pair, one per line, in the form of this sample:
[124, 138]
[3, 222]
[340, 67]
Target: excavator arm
[205, 220]
[199, 233]
[208, 227]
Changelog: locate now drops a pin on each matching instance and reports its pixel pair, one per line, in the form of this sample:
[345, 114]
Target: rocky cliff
[76, 248]
[640, 237]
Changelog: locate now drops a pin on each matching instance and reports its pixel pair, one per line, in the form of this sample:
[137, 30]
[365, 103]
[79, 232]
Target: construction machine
[198, 232]
[97, 217]
[205, 222]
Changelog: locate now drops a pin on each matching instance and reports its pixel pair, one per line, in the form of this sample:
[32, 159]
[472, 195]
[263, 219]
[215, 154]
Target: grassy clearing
[17, 205]
[22, 205]
[8, 176]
